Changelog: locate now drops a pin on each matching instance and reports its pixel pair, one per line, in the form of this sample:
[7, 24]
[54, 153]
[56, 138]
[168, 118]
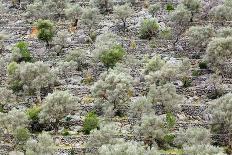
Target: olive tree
[193, 6]
[219, 52]
[113, 90]
[127, 148]
[222, 12]
[200, 36]
[123, 12]
[105, 6]
[224, 32]
[200, 149]
[220, 109]
[56, 106]
[166, 96]
[13, 120]
[3, 36]
[179, 19]
[148, 29]
[108, 49]
[139, 107]
[105, 135]
[31, 77]
[154, 8]
[150, 129]
[90, 19]
[6, 96]
[192, 136]
[43, 145]
[73, 12]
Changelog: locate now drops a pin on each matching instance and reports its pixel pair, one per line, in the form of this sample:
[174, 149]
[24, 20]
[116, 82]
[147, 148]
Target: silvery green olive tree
[154, 8]
[123, 12]
[166, 96]
[219, 52]
[104, 6]
[90, 19]
[43, 145]
[73, 12]
[56, 106]
[200, 36]
[112, 91]
[31, 78]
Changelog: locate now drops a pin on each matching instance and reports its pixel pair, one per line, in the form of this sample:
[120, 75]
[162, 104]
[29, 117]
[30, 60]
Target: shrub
[111, 57]
[200, 149]
[200, 36]
[90, 19]
[73, 12]
[113, 90]
[65, 132]
[91, 122]
[123, 12]
[33, 113]
[105, 6]
[56, 106]
[203, 65]
[219, 52]
[43, 145]
[195, 73]
[153, 9]
[166, 96]
[169, 7]
[45, 30]
[21, 135]
[21, 52]
[193, 136]
[224, 32]
[148, 28]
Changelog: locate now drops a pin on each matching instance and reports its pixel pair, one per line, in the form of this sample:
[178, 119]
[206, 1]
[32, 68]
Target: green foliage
[171, 120]
[65, 132]
[90, 122]
[148, 28]
[21, 135]
[195, 73]
[11, 68]
[170, 7]
[45, 30]
[151, 129]
[21, 52]
[111, 57]
[33, 113]
[192, 5]
[203, 65]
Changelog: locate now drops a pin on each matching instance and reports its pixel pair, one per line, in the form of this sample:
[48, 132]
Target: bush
[148, 29]
[111, 57]
[21, 53]
[45, 30]
[65, 132]
[33, 113]
[203, 65]
[170, 7]
[195, 73]
[21, 135]
[91, 122]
